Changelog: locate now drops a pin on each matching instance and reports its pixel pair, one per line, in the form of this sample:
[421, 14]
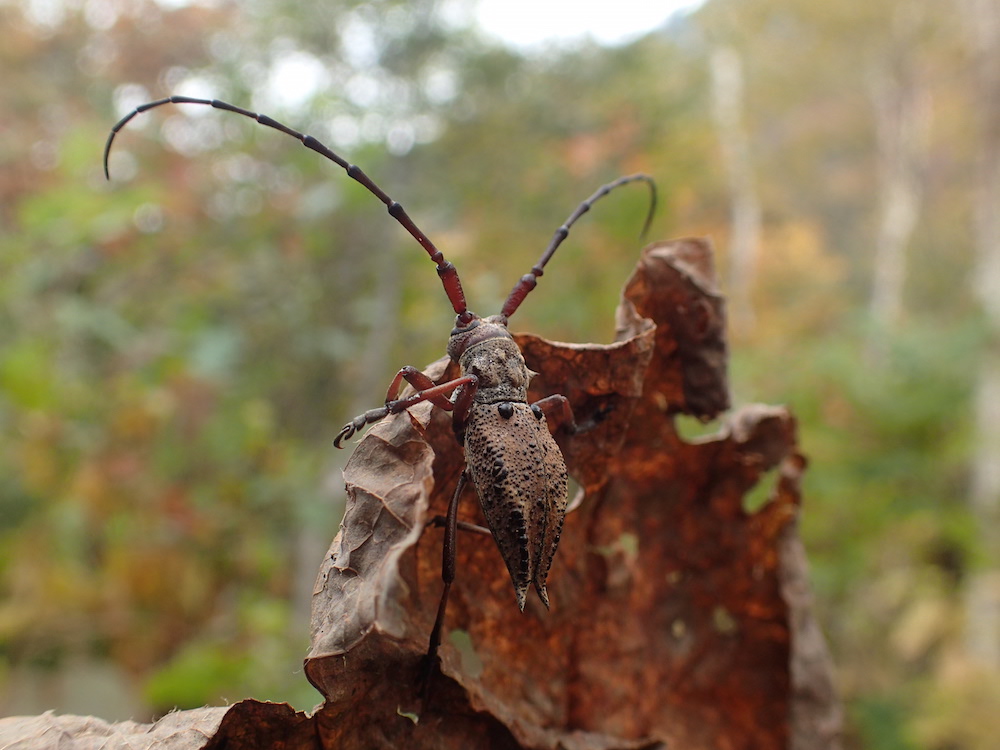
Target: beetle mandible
[511, 457]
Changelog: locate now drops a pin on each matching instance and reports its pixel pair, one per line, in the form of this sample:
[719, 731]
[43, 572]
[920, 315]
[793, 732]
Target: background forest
[179, 346]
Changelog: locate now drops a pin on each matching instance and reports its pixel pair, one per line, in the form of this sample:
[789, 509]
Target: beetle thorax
[488, 352]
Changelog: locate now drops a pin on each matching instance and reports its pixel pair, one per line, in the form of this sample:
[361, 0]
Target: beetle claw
[346, 432]
[358, 423]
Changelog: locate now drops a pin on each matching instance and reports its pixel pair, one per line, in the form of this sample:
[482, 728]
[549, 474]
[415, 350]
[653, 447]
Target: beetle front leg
[436, 394]
[441, 521]
[419, 381]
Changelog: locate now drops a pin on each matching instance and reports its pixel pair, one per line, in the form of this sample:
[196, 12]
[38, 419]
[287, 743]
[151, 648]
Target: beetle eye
[537, 411]
[506, 410]
[474, 324]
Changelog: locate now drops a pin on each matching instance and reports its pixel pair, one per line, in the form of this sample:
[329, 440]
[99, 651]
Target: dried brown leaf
[246, 725]
[181, 730]
[671, 618]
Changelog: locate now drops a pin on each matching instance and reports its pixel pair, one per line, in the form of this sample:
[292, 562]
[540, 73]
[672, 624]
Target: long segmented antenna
[529, 280]
[446, 270]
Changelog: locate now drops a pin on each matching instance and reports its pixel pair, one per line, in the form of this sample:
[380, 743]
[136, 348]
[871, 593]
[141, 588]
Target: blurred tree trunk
[982, 635]
[745, 212]
[902, 119]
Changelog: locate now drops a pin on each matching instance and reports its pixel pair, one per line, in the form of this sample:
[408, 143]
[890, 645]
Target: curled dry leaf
[679, 618]
[247, 725]
[671, 618]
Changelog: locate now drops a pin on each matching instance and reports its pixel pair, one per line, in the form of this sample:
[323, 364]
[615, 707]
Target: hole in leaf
[758, 495]
[690, 428]
[472, 665]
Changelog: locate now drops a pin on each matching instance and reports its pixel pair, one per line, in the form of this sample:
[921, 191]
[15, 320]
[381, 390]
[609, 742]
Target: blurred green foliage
[178, 346]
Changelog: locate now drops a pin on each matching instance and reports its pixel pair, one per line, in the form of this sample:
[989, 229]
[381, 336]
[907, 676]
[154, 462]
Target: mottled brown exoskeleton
[511, 457]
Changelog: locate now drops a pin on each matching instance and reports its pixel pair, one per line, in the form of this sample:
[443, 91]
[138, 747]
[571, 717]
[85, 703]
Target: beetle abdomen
[520, 475]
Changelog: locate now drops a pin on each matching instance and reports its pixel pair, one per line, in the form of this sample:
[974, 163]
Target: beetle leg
[462, 405]
[447, 576]
[440, 521]
[557, 408]
[434, 394]
[420, 382]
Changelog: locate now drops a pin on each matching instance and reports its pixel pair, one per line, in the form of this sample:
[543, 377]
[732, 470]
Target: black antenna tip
[652, 205]
[107, 153]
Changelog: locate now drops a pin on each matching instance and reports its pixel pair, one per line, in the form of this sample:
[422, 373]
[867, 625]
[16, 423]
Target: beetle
[511, 457]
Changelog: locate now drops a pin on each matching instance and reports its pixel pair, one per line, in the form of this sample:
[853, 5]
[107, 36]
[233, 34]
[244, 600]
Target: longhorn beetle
[513, 461]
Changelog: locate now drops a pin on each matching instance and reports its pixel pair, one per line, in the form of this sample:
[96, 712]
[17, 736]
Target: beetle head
[478, 330]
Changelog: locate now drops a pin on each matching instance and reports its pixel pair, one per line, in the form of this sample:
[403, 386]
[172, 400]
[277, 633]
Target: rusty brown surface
[669, 619]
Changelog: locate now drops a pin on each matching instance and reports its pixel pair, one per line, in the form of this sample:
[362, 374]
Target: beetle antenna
[529, 280]
[446, 270]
